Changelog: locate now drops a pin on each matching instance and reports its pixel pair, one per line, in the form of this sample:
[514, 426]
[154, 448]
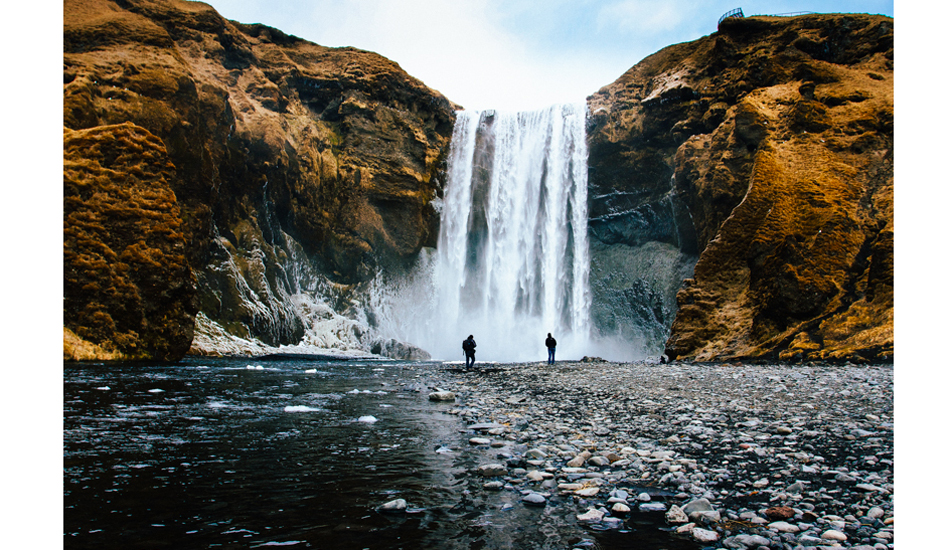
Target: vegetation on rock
[128, 292]
[777, 134]
[284, 152]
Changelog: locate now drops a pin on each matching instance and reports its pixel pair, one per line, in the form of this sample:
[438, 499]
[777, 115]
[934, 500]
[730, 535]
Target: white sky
[512, 54]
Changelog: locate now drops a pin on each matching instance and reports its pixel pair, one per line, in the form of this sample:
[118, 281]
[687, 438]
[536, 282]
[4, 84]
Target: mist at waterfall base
[512, 260]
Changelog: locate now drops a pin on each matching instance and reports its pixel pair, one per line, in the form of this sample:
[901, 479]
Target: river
[239, 453]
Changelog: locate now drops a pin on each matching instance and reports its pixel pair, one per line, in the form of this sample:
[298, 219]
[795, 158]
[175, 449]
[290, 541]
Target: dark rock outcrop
[770, 146]
[297, 168]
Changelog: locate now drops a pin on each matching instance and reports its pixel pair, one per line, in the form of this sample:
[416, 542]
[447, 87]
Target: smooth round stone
[492, 470]
[534, 499]
[875, 513]
[619, 508]
[783, 527]
[831, 534]
[587, 491]
[644, 497]
[480, 441]
[494, 486]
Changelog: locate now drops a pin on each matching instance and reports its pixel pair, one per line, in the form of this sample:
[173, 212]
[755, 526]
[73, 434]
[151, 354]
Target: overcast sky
[512, 54]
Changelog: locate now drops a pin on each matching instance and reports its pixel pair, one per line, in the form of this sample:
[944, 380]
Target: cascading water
[512, 258]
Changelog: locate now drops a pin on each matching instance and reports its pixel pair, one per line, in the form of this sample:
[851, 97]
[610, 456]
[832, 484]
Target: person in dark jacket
[468, 346]
[551, 343]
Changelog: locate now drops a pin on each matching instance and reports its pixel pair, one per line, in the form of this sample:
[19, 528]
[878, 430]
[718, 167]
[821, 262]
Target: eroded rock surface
[128, 292]
[767, 148]
[299, 170]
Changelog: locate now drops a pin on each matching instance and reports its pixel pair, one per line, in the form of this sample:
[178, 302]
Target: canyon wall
[767, 149]
[230, 189]
[284, 175]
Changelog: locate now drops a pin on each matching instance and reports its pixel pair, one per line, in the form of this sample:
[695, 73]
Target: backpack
[467, 345]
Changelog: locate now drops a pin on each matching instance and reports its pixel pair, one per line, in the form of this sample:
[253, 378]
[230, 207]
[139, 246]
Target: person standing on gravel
[468, 346]
[551, 343]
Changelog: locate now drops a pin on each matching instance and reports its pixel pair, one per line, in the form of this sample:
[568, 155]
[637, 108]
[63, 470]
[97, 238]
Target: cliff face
[124, 270]
[291, 171]
[767, 148]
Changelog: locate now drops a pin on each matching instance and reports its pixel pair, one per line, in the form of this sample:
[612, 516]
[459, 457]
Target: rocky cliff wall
[767, 149]
[296, 171]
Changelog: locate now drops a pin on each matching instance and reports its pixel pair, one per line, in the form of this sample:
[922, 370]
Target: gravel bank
[732, 455]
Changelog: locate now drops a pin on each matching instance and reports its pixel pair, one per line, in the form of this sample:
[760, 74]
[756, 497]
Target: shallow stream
[238, 453]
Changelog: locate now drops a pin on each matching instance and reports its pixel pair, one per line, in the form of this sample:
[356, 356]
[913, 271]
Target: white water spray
[512, 258]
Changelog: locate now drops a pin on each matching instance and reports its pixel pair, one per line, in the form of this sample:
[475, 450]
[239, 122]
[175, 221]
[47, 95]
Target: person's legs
[550, 356]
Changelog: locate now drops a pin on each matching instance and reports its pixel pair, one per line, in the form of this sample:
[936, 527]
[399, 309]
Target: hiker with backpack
[468, 346]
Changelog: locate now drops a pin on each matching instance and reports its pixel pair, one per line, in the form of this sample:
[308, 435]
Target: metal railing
[737, 13]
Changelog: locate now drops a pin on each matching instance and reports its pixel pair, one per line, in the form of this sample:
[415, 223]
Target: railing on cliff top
[737, 14]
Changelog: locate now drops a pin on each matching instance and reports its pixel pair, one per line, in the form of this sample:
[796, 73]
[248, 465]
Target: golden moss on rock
[777, 133]
[274, 139]
[128, 289]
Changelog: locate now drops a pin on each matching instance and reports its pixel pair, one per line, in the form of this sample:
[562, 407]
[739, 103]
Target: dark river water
[238, 453]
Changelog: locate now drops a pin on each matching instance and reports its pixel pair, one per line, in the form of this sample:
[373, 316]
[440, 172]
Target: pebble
[770, 455]
[832, 534]
[492, 470]
[705, 535]
[591, 515]
[534, 499]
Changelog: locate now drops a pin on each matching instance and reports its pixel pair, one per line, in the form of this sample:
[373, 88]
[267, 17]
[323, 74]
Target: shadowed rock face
[775, 135]
[283, 155]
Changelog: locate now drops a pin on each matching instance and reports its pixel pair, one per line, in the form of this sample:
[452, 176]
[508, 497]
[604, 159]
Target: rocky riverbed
[729, 455]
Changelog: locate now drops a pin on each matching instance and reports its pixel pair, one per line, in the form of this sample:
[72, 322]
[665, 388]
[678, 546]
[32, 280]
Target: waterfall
[512, 259]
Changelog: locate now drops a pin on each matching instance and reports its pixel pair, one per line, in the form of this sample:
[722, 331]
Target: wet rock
[779, 512]
[676, 515]
[834, 535]
[592, 515]
[492, 470]
[534, 499]
[724, 407]
[704, 535]
[442, 396]
[620, 508]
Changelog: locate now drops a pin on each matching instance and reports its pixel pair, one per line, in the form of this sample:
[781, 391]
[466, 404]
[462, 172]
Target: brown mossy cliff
[128, 292]
[281, 153]
[777, 135]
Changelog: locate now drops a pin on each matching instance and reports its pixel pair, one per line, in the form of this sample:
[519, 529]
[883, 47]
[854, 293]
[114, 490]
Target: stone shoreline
[735, 455]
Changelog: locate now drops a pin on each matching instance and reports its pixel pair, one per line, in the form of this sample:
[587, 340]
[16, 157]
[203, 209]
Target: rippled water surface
[232, 453]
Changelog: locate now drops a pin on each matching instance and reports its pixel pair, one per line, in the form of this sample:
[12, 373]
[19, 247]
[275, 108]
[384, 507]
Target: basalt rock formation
[284, 175]
[766, 148]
